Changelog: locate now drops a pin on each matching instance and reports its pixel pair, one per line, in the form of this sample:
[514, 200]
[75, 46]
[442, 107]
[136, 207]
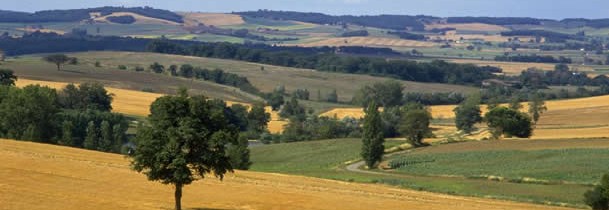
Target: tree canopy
[185, 140]
[509, 122]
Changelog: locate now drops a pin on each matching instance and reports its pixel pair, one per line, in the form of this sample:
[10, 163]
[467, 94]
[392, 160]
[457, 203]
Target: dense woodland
[75, 15]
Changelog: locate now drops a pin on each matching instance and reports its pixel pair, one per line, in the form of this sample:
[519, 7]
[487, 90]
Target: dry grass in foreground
[39, 176]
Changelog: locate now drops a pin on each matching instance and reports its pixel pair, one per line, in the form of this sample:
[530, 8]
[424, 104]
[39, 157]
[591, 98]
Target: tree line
[435, 71]
[396, 22]
[217, 75]
[75, 15]
[533, 58]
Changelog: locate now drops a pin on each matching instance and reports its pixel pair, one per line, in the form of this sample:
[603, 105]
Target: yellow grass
[138, 103]
[573, 118]
[39, 176]
[515, 68]
[367, 41]
[139, 19]
[468, 27]
[215, 19]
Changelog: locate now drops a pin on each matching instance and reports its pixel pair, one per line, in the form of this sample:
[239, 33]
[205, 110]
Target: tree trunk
[178, 196]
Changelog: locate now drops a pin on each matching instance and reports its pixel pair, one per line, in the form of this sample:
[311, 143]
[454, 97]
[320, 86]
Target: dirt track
[37, 176]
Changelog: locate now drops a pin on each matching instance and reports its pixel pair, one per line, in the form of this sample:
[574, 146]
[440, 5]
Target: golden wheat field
[573, 118]
[468, 27]
[40, 176]
[367, 41]
[137, 103]
[211, 19]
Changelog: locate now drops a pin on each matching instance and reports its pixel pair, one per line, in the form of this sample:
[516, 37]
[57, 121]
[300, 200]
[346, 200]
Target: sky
[551, 9]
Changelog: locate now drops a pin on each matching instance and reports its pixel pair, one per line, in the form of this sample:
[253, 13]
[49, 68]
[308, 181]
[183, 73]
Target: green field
[583, 166]
[328, 159]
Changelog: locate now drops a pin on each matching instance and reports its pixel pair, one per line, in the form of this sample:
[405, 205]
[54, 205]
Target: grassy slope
[267, 79]
[32, 67]
[39, 176]
[326, 159]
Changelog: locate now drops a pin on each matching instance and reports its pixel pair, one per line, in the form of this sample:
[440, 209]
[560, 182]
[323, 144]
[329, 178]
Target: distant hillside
[75, 15]
[396, 22]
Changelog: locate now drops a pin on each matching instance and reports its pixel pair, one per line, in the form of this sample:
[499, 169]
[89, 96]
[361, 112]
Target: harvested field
[367, 41]
[39, 176]
[468, 27]
[211, 19]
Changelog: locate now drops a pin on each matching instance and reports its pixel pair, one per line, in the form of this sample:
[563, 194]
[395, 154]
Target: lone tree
[7, 78]
[372, 138]
[468, 113]
[598, 198]
[509, 122]
[57, 59]
[184, 141]
[415, 124]
[536, 107]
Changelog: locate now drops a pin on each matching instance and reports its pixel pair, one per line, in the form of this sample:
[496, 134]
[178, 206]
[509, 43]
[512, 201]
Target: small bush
[122, 67]
[97, 64]
[139, 68]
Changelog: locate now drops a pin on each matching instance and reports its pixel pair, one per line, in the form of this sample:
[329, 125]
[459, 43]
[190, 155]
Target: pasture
[39, 176]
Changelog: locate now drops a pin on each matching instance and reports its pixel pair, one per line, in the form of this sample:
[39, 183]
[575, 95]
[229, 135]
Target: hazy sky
[554, 9]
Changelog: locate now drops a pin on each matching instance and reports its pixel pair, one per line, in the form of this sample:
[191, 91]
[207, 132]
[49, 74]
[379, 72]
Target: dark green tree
[32, 108]
[157, 68]
[258, 118]
[66, 134]
[598, 197]
[332, 97]
[415, 124]
[275, 100]
[105, 138]
[118, 136]
[93, 96]
[57, 59]
[468, 113]
[293, 109]
[173, 70]
[372, 138]
[239, 154]
[186, 140]
[7, 77]
[186, 70]
[91, 139]
[509, 122]
[515, 103]
[385, 94]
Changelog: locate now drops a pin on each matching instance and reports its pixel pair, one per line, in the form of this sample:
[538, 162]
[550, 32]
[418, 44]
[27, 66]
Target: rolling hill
[39, 176]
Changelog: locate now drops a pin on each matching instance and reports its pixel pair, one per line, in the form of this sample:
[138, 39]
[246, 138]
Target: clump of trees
[415, 124]
[75, 116]
[123, 19]
[386, 94]
[7, 77]
[598, 198]
[503, 121]
[533, 58]
[354, 33]
[468, 113]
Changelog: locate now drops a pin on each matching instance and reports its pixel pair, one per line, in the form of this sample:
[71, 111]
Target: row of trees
[217, 75]
[435, 71]
[533, 59]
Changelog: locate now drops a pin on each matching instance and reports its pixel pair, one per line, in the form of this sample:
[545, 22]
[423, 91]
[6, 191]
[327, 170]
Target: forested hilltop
[75, 15]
